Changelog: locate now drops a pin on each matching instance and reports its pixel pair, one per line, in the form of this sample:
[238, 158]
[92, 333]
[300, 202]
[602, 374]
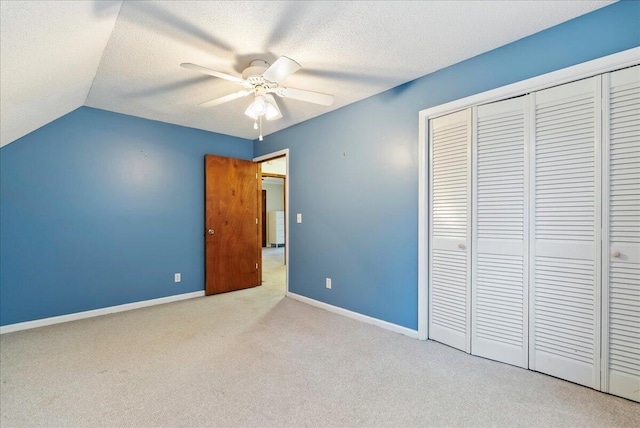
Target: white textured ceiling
[52, 51]
[49, 54]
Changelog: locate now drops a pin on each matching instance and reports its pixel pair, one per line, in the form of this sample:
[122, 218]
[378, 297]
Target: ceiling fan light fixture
[264, 105]
[262, 80]
[273, 112]
[259, 105]
[249, 112]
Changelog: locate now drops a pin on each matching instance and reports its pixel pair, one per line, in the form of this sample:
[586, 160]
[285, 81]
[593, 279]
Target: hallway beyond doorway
[274, 271]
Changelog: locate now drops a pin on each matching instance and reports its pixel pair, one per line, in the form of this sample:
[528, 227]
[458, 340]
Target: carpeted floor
[255, 358]
[274, 271]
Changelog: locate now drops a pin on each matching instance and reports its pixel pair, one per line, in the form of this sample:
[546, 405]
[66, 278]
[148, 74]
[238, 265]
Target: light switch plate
[298, 218]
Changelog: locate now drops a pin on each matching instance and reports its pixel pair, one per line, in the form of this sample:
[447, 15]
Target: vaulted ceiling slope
[49, 54]
[125, 56]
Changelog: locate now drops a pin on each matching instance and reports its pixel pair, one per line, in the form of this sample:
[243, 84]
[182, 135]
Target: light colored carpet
[255, 358]
[274, 271]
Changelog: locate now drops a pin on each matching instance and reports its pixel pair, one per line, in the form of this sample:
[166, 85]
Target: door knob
[462, 246]
[210, 232]
[615, 254]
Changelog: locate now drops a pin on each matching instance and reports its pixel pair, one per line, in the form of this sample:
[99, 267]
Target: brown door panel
[232, 238]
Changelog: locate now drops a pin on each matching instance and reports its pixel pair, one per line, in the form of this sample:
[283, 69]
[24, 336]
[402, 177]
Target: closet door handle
[462, 246]
[615, 254]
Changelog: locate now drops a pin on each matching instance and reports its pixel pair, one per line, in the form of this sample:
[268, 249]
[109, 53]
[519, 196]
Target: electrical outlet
[298, 218]
[328, 283]
[177, 277]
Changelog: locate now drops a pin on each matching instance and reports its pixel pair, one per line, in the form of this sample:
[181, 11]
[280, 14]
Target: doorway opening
[274, 215]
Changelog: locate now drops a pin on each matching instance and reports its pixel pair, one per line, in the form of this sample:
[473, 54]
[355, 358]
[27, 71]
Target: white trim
[586, 69]
[356, 316]
[428, 206]
[97, 312]
[423, 237]
[285, 153]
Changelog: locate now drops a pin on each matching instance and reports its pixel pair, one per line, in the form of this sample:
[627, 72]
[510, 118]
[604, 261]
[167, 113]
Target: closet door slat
[449, 229]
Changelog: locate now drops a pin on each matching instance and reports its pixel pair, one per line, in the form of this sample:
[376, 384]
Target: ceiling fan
[262, 80]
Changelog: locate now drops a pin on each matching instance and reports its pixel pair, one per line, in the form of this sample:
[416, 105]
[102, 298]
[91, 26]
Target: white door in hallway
[450, 230]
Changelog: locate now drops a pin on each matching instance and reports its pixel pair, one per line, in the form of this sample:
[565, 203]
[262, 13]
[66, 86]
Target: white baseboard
[355, 315]
[142, 304]
[97, 312]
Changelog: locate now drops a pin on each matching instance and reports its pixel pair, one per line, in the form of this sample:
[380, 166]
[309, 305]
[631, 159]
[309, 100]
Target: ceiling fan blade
[281, 69]
[226, 98]
[302, 95]
[211, 72]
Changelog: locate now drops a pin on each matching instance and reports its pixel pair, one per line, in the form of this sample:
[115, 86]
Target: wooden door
[264, 218]
[232, 226]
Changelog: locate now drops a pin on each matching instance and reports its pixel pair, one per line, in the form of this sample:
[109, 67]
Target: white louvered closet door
[565, 233]
[500, 233]
[621, 249]
[450, 229]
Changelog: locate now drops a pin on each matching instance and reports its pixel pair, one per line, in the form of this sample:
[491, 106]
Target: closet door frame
[591, 68]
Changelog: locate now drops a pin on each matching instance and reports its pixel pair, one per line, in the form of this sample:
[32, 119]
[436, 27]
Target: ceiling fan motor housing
[254, 72]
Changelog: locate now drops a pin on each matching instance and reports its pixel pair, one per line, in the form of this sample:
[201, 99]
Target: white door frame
[268, 156]
[605, 64]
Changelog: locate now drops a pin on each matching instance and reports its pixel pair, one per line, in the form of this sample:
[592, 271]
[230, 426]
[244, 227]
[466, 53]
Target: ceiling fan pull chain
[260, 137]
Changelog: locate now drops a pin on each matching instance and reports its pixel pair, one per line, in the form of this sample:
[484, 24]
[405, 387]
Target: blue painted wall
[100, 209]
[354, 171]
